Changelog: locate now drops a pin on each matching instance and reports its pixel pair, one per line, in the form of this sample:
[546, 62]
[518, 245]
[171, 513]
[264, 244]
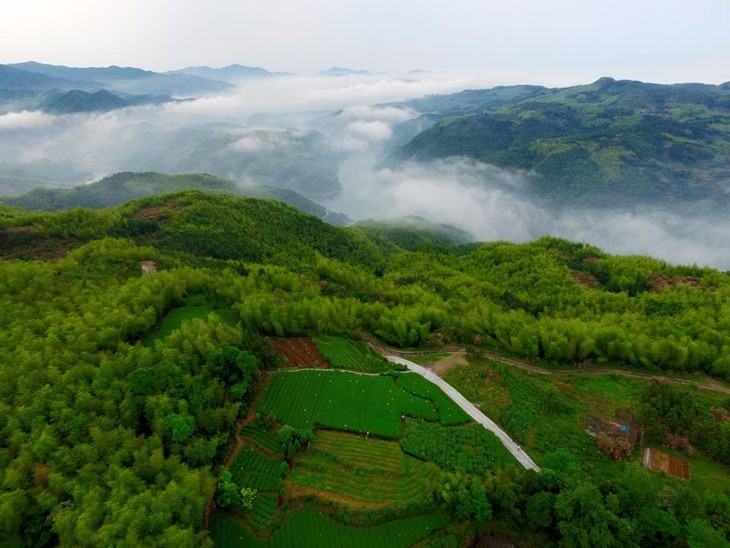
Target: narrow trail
[713, 387]
[471, 410]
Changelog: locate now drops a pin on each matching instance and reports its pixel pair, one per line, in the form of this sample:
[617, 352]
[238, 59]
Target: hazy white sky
[526, 41]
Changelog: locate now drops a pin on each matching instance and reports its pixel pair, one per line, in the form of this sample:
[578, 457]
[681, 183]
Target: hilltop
[613, 143]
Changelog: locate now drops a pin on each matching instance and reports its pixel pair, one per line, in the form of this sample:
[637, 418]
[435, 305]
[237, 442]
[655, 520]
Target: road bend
[516, 451]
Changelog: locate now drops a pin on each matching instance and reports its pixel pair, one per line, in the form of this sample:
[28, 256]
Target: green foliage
[254, 470]
[311, 528]
[362, 469]
[604, 143]
[449, 412]
[293, 440]
[470, 448]
[346, 354]
[342, 401]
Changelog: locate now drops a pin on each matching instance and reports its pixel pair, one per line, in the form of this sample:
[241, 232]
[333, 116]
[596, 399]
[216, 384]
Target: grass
[470, 448]
[345, 354]
[342, 401]
[174, 319]
[449, 412]
[309, 528]
[361, 471]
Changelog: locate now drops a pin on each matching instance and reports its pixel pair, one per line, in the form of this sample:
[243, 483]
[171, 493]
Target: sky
[561, 42]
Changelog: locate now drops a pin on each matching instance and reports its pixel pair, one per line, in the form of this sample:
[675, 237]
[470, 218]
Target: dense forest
[111, 431]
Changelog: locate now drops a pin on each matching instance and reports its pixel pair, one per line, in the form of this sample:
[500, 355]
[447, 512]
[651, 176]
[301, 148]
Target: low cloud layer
[491, 204]
[313, 121]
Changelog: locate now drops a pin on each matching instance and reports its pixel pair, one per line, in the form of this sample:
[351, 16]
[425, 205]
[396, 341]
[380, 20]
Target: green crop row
[310, 528]
[346, 354]
[251, 469]
[360, 469]
[470, 448]
[342, 401]
[226, 531]
[449, 412]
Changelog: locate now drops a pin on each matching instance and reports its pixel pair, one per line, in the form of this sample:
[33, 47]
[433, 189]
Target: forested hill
[123, 187]
[112, 422]
[607, 144]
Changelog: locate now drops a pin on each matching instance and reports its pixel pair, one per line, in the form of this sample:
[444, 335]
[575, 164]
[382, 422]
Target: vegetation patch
[251, 469]
[470, 448]
[449, 412]
[346, 354]
[342, 401]
[226, 531]
[309, 528]
[360, 470]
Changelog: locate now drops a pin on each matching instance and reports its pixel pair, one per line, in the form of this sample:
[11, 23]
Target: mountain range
[612, 143]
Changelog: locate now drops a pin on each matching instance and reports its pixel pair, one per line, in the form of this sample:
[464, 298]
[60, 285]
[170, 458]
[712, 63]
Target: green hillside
[607, 144]
[121, 390]
[123, 187]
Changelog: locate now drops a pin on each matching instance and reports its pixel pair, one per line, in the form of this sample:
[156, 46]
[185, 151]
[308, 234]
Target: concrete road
[472, 411]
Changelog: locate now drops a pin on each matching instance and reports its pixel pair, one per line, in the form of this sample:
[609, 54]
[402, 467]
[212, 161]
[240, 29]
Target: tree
[293, 441]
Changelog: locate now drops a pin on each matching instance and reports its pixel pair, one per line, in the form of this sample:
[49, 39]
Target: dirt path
[471, 410]
[461, 352]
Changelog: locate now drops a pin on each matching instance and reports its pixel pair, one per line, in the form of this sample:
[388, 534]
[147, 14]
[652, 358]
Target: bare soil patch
[623, 426]
[441, 366]
[299, 352]
[664, 462]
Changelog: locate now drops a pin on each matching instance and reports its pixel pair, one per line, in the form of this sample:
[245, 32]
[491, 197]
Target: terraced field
[251, 469]
[342, 401]
[469, 447]
[310, 528]
[358, 470]
[226, 531]
[346, 354]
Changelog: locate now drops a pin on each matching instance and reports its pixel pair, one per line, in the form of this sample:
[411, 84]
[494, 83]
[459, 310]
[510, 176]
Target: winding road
[471, 410]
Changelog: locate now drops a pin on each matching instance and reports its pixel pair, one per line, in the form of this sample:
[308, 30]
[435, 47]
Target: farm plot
[449, 412]
[664, 462]
[365, 471]
[342, 401]
[262, 440]
[299, 352]
[251, 469]
[310, 528]
[346, 354]
[227, 531]
[470, 448]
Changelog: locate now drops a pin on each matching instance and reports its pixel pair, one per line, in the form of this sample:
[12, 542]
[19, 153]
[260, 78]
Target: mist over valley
[370, 146]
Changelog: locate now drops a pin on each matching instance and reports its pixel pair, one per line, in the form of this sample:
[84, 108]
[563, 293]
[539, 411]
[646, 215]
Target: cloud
[24, 120]
[343, 120]
[371, 130]
[492, 204]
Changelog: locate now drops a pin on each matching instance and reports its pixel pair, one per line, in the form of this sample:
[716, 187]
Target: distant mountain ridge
[613, 143]
[230, 73]
[113, 78]
[125, 186]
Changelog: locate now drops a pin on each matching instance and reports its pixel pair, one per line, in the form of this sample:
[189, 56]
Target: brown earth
[299, 352]
[442, 365]
[669, 464]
